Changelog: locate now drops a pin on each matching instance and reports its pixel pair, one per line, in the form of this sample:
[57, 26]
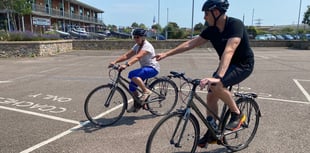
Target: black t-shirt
[233, 28]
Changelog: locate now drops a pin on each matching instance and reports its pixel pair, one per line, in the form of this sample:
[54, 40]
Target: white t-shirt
[147, 60]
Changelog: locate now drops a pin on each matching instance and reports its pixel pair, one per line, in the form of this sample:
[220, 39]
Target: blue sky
[269, 12]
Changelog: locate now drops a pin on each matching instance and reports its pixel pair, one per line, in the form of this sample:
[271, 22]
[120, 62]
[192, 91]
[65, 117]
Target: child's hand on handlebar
[122, 67]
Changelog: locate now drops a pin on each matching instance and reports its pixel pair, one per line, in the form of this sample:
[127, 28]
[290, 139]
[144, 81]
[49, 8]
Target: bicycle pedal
[205, 146]
[243, 118]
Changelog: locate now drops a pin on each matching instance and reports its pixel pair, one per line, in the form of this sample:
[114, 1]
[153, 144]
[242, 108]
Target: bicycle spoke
[104, 107]
[172, 135]
[237, 140]
[164, 97]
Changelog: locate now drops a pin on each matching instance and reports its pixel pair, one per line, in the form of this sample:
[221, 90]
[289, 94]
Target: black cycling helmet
[221, 5]
[139, 32]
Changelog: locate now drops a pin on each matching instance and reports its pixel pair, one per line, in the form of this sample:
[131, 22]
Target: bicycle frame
[193, 112]
[192, 106]
[124, 83]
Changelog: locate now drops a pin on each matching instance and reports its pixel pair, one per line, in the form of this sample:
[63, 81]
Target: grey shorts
[237, 73]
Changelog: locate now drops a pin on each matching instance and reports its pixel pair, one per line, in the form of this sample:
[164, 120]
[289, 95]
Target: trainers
[236, 121]
[207, 138]
[134, 108]
[145, 96]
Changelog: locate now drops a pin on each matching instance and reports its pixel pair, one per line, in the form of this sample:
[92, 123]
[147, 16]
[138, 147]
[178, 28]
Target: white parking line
[54, 138]
[41, 115]
[284, 100]
[302, 88]
[68, 131]
[8, 81]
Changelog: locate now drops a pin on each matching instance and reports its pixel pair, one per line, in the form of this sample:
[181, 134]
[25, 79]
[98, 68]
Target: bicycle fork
[184, 119]
[107, 102]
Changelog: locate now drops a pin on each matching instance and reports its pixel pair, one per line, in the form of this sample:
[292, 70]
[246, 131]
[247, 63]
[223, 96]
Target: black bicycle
[106, 104]
[180, 131]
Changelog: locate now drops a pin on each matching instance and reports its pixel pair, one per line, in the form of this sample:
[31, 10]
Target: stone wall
[46, 48]
[126, 44]
[34, 48]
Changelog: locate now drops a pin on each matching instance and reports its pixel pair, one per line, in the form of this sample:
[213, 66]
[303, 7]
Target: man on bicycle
[230, 40]
[143, 51]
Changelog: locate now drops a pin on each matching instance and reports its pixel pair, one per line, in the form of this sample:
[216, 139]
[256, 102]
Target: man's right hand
[111, 64]
[160, 56]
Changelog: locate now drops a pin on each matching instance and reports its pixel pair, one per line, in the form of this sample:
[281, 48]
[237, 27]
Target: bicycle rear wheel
[164, 98]
[166, 135]
[240, 139]
[105, 105]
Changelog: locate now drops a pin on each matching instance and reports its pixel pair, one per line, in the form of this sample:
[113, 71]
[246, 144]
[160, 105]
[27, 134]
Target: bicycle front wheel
[173, 133]
[164, 97]
[240, 139]
[105, 105]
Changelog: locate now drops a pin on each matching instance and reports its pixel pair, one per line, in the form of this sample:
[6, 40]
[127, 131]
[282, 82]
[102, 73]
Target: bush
[27, 36]
[3, 35]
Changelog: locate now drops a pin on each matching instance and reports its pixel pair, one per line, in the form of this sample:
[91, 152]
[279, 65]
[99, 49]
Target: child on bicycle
[230, 40]
[143, 51]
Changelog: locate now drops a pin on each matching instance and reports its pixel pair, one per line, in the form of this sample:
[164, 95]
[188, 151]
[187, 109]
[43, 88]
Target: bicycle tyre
[95, 109]
[169, 90]
[240, 139]
[162, 140]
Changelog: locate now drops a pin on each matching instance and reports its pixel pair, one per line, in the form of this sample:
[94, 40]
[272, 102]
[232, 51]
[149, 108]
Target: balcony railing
[62, 14]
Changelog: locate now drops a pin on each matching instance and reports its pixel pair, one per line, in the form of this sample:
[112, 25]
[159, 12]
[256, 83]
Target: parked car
[270, 36]
[307, 36]
[279, 37]
[260, 37]
[288, 37]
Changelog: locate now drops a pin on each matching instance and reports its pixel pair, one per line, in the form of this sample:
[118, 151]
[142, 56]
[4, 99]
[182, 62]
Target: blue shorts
[143, 73]
[237, 73]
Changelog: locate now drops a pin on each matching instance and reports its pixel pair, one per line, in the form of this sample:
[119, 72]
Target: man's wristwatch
[127, 64]
[218, 77]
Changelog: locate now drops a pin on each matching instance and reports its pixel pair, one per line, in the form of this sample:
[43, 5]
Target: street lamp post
[166, 32]
[298, 15]
[158, 12]
[192, 20]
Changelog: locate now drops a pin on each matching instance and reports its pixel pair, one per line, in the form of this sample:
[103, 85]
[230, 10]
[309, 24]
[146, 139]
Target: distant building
[56, 14]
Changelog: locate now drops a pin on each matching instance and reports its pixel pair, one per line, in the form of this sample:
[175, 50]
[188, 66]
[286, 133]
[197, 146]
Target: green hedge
[27, 36]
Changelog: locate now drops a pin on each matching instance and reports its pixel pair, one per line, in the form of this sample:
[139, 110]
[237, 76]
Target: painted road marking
[302, 88]
[49, 70]
[54, 138]
[68, 131]
[40, 115]
[283, 100]
[8, 81]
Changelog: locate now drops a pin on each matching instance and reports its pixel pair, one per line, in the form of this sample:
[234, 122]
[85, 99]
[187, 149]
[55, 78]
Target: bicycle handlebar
[175, 74]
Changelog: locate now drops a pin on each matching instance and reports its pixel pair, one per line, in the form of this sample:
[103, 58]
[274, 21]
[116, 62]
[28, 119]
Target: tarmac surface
[42, 99]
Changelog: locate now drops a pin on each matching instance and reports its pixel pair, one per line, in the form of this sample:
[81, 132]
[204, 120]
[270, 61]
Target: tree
[252, 31]
[7, 6]
[18, 7]
[22, 8]
[306, 19]
[170, 29]
[135, 25]
[112, 27]
[142, 26]
[157, 27]
[199, 27]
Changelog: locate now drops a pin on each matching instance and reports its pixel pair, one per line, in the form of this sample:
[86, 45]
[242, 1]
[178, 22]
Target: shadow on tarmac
[125, 120]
